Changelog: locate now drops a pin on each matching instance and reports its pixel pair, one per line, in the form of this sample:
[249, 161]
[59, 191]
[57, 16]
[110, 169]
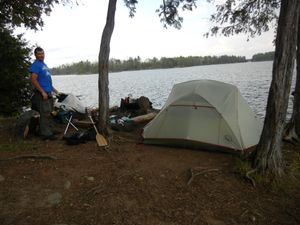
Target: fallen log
[144, 118]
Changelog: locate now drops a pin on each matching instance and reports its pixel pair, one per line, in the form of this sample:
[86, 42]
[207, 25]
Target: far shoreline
[177, 67]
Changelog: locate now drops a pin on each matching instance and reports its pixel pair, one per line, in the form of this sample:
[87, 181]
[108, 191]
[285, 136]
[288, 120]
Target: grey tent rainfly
[205, 114]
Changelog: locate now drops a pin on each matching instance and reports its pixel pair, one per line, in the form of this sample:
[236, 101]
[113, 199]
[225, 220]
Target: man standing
[42, 100]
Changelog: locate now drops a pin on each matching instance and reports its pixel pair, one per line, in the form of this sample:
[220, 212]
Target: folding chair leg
[73, 126]
[69, 121]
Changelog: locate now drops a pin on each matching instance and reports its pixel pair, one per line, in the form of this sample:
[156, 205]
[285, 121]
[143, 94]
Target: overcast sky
[72, 34]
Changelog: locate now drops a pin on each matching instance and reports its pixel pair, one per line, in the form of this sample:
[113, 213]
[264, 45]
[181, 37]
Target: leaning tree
[103, 61]
[169, 14]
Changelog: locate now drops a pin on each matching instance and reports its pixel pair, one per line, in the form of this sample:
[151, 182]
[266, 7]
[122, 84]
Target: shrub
[15, 88]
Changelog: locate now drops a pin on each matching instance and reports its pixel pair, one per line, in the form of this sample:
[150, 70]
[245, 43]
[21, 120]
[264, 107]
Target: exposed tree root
[95, 190]
[195, 172]
[250, 178]
[290, 134]
[294, 215]
[30, 157]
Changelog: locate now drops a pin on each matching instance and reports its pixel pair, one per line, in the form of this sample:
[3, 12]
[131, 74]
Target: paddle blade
[26, 131]
[101, 141]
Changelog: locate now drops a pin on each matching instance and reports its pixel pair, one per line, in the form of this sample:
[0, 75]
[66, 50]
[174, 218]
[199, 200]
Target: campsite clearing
[51, 183]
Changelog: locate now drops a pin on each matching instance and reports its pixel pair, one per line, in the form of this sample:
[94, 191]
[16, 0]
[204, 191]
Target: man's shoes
[50, 137]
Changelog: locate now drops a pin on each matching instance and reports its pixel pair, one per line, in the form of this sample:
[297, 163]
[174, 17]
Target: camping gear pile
[125, 118]
[68, 106]
[70, 102]
[202, 114]
[67, 109]
[132, 111]
[70, 111]
[205, 114]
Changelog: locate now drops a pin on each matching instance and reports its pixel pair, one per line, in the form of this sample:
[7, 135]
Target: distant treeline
[263, 56]
[117, 65]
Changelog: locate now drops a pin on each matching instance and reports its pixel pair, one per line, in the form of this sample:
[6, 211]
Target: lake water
[252, 78]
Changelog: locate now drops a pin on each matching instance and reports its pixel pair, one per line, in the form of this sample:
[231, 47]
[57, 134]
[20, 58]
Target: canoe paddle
[101, 141]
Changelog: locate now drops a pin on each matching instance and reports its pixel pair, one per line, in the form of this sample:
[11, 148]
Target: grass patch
[4, 120]
[8, 139]
[15, 145]
[288, 183]
[243, 166]
[291, 180]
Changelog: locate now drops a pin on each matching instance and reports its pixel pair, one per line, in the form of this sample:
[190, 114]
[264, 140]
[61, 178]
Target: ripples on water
[252, 79]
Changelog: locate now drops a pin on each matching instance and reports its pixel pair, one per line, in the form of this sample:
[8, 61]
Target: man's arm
[37, 86]
[55, 91]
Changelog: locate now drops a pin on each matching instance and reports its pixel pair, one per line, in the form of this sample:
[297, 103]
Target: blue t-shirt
[44, 76]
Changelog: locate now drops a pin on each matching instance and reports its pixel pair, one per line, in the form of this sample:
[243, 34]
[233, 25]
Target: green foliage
[167, 11]
[82, 67]
[14, 86]
[26, 12]
[14, 50]
[20, 145]
[250, 17]
[169, 14]
[13, 143]
[267, 56]
[291, 179]
[130, 4]
[292, 157]
[116, 65]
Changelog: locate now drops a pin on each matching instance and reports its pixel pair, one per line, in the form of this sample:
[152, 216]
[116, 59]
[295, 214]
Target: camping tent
[205, 114]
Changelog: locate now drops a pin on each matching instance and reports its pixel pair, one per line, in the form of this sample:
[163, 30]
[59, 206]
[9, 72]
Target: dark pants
[44, 107]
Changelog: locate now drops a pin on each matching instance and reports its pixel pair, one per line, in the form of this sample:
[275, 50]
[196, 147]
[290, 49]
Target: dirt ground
[131, 184]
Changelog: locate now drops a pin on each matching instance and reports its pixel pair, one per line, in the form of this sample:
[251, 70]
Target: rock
[67, 184]
[54, 199]
[2, 178]
[90, 178]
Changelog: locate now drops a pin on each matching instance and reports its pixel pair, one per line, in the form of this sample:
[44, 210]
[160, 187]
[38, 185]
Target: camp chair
[69, 122]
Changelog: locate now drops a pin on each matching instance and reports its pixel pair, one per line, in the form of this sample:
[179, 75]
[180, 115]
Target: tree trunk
[268, 157]
[292, 130]
[296, 107]
[103, 61]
